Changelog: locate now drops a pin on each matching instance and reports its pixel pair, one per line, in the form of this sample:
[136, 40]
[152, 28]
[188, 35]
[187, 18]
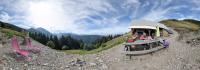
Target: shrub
[104, 45]
[65, 47]
[51, 44]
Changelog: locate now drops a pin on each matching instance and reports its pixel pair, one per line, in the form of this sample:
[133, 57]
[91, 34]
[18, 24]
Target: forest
[67, 42]
[64, 42]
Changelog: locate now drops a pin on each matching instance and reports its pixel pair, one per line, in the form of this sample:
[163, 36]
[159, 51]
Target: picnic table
[140, 42]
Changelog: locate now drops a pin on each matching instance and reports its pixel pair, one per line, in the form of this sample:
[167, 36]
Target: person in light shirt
[145, 37]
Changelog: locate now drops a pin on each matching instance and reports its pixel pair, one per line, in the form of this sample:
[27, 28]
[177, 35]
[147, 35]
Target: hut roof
[144, 24]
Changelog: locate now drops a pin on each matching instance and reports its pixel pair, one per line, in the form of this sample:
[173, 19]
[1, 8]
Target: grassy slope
[10, 26]
[191, 24]
[107, 45]
[10, 32]
[10, 29]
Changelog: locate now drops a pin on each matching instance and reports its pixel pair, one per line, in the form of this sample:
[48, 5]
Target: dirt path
[179, 56]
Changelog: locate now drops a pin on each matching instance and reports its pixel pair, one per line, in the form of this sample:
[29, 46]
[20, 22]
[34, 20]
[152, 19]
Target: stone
[1, 45]
[104, 66]
[92, 64]
[72, 63]
[25, 65]
[178, 58]
[97, 58]
[100, 60]
[33, 68]
[46, 64]
[67, 66]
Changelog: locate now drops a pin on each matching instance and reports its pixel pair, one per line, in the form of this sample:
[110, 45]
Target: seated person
[165, 43]
[149, 38]
[132, 38]
[143, 36]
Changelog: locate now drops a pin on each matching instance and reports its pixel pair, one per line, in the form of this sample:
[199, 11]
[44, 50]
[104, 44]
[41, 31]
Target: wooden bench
[134, 53]
[141, 52]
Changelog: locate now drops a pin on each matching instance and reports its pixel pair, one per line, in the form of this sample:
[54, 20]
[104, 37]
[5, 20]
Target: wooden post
[3, 39]
[150, 44]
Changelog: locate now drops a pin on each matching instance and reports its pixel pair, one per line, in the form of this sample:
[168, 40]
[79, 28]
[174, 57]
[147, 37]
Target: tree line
[67, 42]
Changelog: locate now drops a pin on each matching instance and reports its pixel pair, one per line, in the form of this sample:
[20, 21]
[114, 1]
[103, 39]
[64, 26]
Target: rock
[92, 64]
[46, 64]
[77, 62]
[188, 42]
[72, 63]
[178, 58]
[17, 68]
[79, 68]
[80, 62]
[117, 60]
[193, 40]
[100, 60]
[33, 68]
[25, 65]
[67, 66]
[97, 58]
[1, 45]
[104, 66]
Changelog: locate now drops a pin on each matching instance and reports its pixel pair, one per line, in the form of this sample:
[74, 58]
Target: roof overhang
[144, 24]
[142, 27]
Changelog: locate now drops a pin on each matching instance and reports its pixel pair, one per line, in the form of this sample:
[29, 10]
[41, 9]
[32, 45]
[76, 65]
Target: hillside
[40, 30]
[107, 45]
[10, 26]
[87, 39]
[186, 23]
[187, 28]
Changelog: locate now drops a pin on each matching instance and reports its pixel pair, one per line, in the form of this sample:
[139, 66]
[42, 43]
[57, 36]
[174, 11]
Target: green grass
[10, 32]
[181, 24]
[76, 51]
[105, 46]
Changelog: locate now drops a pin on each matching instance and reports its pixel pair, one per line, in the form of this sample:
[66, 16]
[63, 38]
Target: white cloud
[117, 29]
[61, 16]
[67, 15]
[49, 15]
[159, 14]
[132, 1]
[196, 2]
[4, 16]
[188, 17]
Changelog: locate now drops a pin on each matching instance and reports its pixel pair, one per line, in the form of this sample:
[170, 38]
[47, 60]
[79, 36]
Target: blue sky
[93, 16]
